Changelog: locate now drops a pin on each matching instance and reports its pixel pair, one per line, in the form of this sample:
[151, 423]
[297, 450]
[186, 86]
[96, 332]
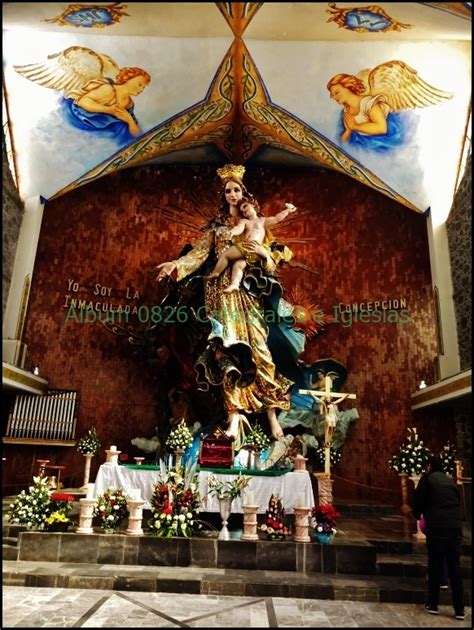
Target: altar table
[289, 487]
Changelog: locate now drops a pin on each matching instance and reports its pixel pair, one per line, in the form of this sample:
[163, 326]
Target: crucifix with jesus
[328, 406]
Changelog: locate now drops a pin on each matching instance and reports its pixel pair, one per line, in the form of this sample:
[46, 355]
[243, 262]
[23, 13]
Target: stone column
[324, 488]
[405, 508]
[250, 523]
[418, 535]
[86, 516]
[301, 524]
[135, 517]
[87, 470]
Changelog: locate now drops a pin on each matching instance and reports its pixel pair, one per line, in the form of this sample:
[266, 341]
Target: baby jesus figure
[247, 238]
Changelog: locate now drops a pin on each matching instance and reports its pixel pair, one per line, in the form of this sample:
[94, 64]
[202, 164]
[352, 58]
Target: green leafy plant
[89, 444]
[224, 489]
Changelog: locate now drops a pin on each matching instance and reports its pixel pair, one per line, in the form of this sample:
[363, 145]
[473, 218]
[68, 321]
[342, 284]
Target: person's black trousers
[444, 544]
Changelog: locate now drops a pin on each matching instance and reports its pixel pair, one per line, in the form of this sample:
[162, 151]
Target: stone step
[9, 552]
[216, 581]
[412, 566]
[12, 541]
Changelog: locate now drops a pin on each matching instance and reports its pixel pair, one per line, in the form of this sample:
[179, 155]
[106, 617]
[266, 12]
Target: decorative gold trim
[34, 442]
[442, 390]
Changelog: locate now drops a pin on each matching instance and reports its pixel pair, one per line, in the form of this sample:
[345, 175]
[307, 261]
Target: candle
[301, 500]
[250, 496]
[135, 494]
[113, 448]
[90, 490]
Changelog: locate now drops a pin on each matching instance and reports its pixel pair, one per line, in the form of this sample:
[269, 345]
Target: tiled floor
[26, 607]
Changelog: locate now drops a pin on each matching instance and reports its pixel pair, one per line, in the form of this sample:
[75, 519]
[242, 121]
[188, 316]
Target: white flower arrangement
[180, 437]
[256, 439]
[412, 457]
[334, 455]
[89, 444]
[111, 507]
[175, 504]
[32, 508]
[232, 489]
[448, 456]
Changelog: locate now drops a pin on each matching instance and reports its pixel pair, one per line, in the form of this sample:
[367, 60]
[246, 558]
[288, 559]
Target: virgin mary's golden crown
[231, 172]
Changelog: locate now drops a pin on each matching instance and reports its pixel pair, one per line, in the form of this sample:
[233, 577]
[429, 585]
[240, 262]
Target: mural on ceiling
[97, 94]
[90, 16]
[373, 101]
[370, 19]
[225, 97]
[261, 122]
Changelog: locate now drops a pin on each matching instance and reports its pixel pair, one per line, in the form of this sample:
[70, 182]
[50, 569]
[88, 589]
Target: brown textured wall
[459, 226]
[12, 212]
[364, 247]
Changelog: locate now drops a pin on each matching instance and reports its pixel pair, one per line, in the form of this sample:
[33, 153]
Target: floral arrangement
[324, 519]
[256, 440]
[111, 508]
[61, 506]
[448, 456]
[334, 455]
[32, 508]
[412, 458]
[89, 444]
[179, 438]
[223, 490]
[273, 526]
[175, 502]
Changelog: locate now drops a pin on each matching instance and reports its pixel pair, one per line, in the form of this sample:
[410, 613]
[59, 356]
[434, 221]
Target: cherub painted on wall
[97, 94]
[373, 102]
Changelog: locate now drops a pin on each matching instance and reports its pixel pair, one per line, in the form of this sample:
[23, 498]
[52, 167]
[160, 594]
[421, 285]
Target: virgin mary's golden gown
[239, 330]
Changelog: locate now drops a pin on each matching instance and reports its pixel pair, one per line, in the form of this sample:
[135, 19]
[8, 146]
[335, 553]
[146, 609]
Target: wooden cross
[329, 408]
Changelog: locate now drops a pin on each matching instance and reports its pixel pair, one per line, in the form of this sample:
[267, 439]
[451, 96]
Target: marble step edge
[348, 588]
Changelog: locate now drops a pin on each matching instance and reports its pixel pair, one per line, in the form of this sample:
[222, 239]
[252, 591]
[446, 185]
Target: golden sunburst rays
[309, 316]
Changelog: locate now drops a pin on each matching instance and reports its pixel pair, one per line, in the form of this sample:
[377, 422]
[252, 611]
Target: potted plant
[256, 441]
[225, 492]
[60, 506]
[110, 508]
[33, 507]
[175, 503]
[323, 519]
[448, 457]
[178, 440]
[89, 444]
[412, 457]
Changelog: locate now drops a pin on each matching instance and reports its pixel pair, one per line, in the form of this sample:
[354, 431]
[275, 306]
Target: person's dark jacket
[437, 497]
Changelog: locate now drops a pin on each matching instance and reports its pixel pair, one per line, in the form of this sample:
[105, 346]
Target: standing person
[437, 497]
[237, 357]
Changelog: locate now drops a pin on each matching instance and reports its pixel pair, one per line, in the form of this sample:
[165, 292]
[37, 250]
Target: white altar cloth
[289, 487]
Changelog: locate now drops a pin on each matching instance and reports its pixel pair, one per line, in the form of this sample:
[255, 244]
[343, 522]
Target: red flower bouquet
[324, 519]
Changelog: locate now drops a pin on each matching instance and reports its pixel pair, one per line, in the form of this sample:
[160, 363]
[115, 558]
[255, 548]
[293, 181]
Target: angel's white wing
[70, 69]
[402, 87]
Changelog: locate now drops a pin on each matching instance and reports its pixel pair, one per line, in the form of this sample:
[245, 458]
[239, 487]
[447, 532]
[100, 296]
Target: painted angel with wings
[373, 102]
[96, 92]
